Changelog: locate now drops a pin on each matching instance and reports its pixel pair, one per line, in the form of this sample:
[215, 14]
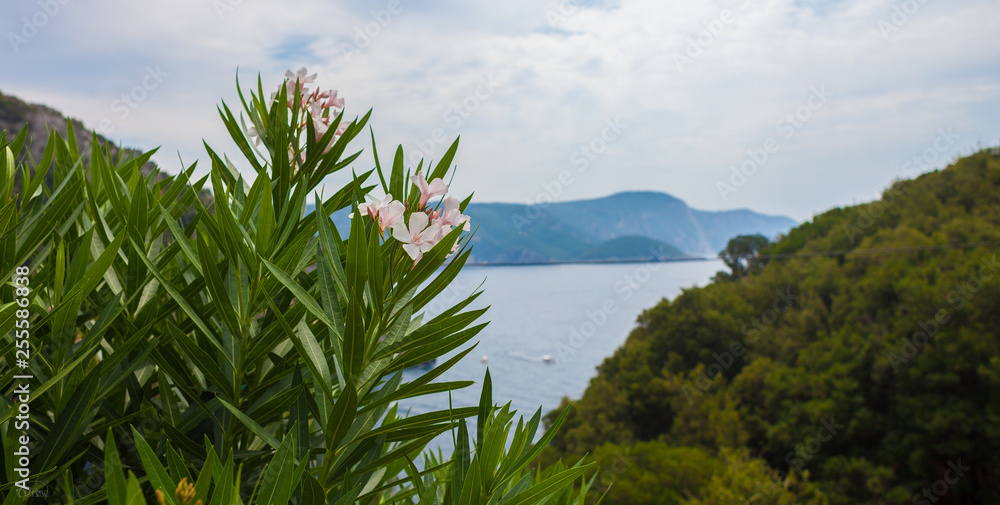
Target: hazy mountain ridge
[624, 226]
[576, 228]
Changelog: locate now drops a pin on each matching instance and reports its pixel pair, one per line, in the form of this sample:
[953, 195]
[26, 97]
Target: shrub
[251, 354]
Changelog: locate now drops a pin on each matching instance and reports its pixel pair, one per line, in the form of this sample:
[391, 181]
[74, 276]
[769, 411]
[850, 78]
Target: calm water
[576, 314]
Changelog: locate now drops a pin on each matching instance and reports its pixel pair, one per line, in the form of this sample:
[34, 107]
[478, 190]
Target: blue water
[576, 314]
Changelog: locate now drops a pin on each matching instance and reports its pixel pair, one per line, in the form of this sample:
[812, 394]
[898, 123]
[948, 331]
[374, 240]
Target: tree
[742, 256]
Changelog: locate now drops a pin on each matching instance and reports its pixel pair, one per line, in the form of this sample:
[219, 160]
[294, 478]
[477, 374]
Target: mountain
[610, 228]
[860, 365]
[40, 119]
[630, 225]
[658, 216]
[630, 247]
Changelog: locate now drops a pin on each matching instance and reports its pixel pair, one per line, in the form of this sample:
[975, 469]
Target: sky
[787, 107]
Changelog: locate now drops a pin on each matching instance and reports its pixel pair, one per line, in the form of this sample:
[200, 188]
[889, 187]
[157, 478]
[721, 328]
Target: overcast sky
[821, 102]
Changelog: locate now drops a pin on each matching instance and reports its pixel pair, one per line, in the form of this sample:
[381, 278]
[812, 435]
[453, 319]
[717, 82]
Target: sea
[550, 326]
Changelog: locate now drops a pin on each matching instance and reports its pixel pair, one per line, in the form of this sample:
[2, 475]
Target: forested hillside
[871, 376]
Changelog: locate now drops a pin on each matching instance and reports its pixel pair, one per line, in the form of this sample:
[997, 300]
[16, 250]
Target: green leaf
[315, 360]
[133, 491]
[220, 295]
[303, 297]
[206, 475]
[341, 418]
[441, 169]
[69, 424]
[158, 476]
[265, 218]
[554, 483]
[178, 298]
[114, 473]
[312, 491]
[277, 484]
[206, 364]
[485, 408]
[357, 268]
[264, 435]
[462, 458]
[422, 421]
[181, 239]
[7, 167]
[508, 469]
[314, 369]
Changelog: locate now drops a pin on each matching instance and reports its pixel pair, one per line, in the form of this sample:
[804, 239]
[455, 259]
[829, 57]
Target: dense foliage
[869, 376]
[250, 354]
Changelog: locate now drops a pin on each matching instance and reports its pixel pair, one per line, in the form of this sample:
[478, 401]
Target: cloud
[698, 85]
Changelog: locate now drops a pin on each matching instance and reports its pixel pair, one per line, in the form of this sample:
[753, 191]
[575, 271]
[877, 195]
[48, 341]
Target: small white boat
[547, 359]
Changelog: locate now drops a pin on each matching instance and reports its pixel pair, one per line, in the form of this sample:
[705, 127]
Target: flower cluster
[315, 105]
[426, 226]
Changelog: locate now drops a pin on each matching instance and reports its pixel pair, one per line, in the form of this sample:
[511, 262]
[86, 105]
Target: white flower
[419, 237]
[253, 135]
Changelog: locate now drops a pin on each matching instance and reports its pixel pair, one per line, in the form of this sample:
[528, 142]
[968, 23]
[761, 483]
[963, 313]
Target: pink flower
[333, 101]
[418, 238]
[297, 80]
[450, 215]
[427, 191]
[300, 78]
[388, 213]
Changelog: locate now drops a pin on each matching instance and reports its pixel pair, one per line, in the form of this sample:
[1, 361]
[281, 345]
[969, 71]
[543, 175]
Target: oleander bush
[252, 354]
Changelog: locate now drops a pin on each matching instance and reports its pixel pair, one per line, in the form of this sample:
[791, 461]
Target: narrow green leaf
[313, 354]
[554, 483]
[69, 424]
[133, 491]
[314, 369]
[265, 219]
[158, 476]
[264, 435]
[114, 473]
[303, 297]
[276, 484]
[341, 418]
[312, 491]
[485, 408]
